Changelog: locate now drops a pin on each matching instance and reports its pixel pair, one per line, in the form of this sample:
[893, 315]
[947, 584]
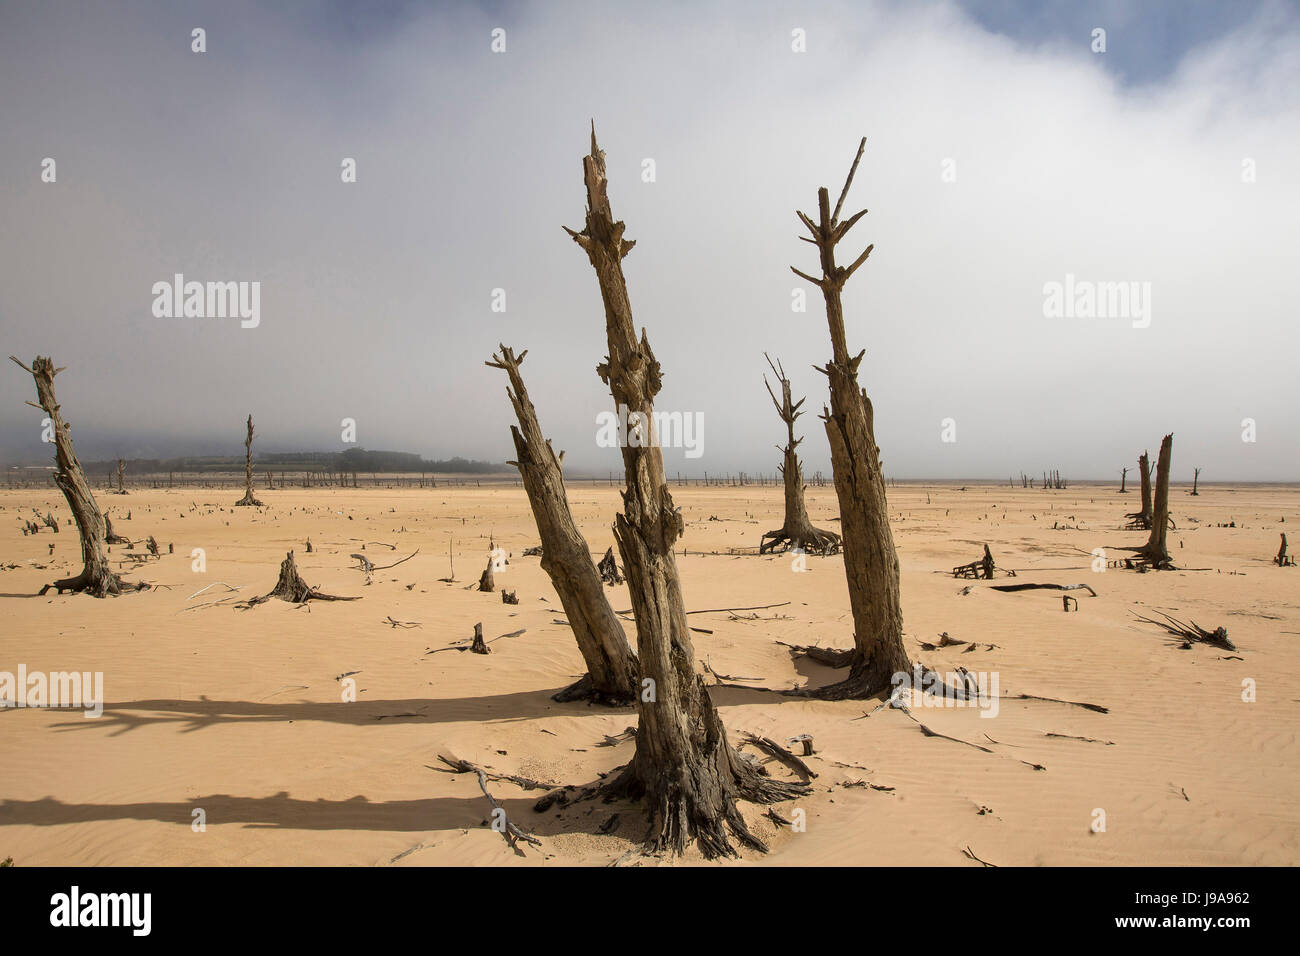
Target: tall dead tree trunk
[612, 668]
[95, 578]
[121, 474]
[1141, 520]
[684, 768]
[1123, 480]
[797, 532]
[870, 560]
[249, 498]
[1155, 552]
[1196, 477]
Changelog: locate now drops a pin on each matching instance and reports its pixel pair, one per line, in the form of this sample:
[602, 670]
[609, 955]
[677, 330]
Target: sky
[1018, 163]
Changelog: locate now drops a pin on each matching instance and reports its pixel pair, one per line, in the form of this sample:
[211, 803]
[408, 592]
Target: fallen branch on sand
[1053, 587]
[510, 831]
[779, 753]
[1192, 633]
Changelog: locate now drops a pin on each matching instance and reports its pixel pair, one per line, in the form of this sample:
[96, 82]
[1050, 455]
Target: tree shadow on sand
[194, 715]
[283, 812]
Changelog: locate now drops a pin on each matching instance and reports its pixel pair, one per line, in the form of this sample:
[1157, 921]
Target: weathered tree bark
[249, 498]
[612, 668]
[870, 560]
[684, 769]
[797, 531]
[487, 580]
[1155, 552]
[1196, 477]
[121, 474]
[1123, 479]
[95, 578]
[1141, 520]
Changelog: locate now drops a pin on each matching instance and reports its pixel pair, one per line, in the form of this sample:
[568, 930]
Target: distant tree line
[356, 460]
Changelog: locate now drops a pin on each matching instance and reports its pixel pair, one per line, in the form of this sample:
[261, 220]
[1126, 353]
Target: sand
[239, 713]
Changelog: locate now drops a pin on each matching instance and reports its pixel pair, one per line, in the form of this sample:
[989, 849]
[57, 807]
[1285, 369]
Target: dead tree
[95, 578]
[121, 474]
[292, 588]
[612, 668]
[684, 768]
[870, 560]
[1123, 480]
[1283, 560]
[1141, 520]
[1196, 477]
[249, 498]
[1155, 552]
[797, 532]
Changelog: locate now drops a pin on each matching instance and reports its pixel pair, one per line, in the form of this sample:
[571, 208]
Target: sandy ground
[239, 713]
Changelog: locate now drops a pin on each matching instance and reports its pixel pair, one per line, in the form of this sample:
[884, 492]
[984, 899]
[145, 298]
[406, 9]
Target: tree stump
[292, 588]
[487, 580]
[608, 568]
[478, 646]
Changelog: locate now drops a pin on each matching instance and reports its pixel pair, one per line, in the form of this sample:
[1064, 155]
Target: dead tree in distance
[684, 768]
[1196, 477]
[95, 578]
[612, 668]
[870, 560]
[121, 475]
[1123, 479]
[1155, 552]
[797, 532]
[249, 498]
[1140, 520]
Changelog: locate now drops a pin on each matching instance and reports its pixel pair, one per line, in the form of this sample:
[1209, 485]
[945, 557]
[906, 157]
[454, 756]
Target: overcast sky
[1003, 154]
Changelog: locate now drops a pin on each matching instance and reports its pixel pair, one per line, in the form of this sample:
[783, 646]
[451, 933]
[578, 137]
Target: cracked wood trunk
[249, 498]
[1156, 551]
[612, 668]
[95, 578]
[684, 769]
[797, 531]
[870, 560]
